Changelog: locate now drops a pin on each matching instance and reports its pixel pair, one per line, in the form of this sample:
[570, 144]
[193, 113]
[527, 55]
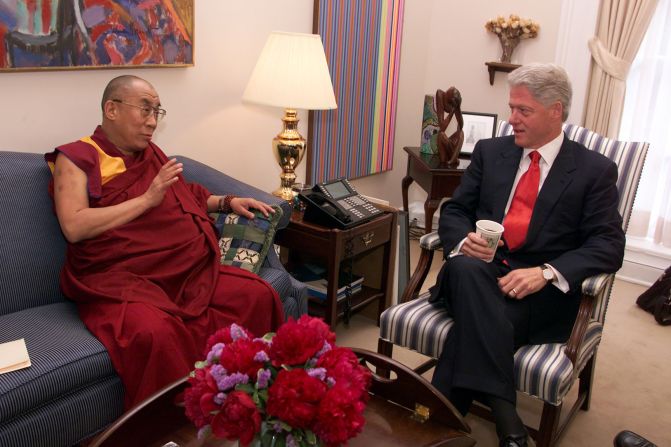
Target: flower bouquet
[510, 31]
[292, 388]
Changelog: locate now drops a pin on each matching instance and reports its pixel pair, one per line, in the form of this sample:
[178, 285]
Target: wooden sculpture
[449, 103]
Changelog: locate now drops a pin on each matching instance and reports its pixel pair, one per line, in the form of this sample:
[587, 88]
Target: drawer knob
[367, 238]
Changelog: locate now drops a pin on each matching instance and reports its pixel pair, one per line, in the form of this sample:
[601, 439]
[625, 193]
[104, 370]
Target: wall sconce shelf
[493, 67]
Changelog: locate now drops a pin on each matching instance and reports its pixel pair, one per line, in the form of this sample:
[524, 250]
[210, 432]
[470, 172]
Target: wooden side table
[371, 247]
[436, 180]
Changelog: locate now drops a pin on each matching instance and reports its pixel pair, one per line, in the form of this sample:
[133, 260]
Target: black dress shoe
[628, 438]
[514, 441]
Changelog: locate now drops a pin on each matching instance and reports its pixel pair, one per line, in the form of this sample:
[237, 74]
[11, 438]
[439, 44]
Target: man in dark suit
[557, 201]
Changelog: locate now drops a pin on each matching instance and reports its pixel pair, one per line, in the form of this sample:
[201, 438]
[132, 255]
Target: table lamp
[291, 73]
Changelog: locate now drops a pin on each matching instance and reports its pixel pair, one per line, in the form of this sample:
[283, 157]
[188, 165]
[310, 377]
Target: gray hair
[547, 83]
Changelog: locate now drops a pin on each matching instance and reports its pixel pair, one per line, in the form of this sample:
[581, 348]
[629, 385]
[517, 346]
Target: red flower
[298, 341]
[318, 325]
[238, 418]
[294, 397]
[340, 416]
[199, 398]
[342, 365]
[222, 336]
[239, 357]
[319, 387]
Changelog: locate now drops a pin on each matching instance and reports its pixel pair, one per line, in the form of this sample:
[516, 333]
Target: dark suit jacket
[575, 225]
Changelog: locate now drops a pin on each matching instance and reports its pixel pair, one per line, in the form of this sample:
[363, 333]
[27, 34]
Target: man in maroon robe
[142, 258]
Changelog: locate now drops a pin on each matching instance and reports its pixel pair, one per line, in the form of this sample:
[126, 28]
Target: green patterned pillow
[245, 242]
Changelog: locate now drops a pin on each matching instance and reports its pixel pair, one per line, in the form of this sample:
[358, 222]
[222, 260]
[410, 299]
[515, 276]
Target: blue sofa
[71, 391]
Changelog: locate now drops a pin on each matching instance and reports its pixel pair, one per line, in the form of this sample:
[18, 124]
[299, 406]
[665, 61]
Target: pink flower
[298, 341]
[238, 419]
[241, 356]
[294, 397]
[223, 336]
[342, 365]
[340, 415]
[319, 326]
[199, 398]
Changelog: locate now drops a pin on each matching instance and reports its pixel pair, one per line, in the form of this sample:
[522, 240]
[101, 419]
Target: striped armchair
[546, 372]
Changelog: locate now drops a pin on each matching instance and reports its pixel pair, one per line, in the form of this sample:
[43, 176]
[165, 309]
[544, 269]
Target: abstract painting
[60, 34]
[362, 42]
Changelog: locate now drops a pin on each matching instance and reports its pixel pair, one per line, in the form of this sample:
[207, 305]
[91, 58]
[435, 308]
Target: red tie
[517, 220]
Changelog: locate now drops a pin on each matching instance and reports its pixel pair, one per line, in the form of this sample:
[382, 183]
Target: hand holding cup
[491, 232]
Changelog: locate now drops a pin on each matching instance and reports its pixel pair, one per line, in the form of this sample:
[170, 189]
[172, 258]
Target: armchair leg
[547, 429]
[547, 433]
[418, 276]
[385, 348]
[585, 383]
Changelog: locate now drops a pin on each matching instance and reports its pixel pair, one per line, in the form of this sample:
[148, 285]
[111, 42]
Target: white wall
[444, 44]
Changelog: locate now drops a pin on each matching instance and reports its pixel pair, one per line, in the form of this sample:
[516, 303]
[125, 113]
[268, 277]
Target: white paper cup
[491, 232]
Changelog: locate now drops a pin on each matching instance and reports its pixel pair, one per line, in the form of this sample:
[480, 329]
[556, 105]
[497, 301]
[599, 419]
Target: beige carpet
[632, 384]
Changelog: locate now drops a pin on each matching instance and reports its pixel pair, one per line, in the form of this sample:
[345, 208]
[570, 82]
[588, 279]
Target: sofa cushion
[67, 420]
[65, 358]
[245, 242]
[31, 238]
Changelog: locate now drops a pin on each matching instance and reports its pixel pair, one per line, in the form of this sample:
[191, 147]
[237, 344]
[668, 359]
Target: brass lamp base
[289, 149]
[285, 193]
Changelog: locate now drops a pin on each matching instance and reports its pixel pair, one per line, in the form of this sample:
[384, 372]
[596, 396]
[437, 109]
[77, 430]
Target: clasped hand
[517, 283]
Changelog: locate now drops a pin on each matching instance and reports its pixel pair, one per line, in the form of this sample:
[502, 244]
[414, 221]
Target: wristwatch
[548, 274]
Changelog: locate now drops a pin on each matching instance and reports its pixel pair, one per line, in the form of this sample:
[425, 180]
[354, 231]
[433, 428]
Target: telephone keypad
[357, 205]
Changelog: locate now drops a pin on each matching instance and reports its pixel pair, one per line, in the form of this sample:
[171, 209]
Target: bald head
[120, 85]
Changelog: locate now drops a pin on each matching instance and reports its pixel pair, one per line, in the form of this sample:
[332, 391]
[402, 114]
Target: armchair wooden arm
[592, 287]
[429, 243]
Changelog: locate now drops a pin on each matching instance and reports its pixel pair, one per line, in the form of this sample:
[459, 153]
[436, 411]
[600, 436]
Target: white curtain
[647, 117]
[622, 25]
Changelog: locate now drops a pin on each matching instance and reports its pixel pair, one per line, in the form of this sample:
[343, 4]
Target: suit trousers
[488, 326]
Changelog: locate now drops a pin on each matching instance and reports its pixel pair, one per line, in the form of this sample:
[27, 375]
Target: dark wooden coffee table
[391, 418]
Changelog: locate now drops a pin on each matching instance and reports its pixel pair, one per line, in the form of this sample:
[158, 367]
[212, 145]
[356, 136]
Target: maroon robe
[152, 290]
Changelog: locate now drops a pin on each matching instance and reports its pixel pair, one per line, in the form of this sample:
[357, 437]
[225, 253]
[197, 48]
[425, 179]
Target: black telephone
[337, 204]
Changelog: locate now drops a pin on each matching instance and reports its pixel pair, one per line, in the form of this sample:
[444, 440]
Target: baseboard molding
[644, 262]
[640, 274]
[416, 215]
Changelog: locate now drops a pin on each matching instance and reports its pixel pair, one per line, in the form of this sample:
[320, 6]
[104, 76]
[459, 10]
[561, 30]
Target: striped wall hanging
[362, 41]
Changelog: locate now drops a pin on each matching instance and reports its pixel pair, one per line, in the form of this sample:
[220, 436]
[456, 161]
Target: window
[647, 117]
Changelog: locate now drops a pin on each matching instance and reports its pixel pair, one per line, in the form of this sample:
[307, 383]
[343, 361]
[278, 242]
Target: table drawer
[367, 236]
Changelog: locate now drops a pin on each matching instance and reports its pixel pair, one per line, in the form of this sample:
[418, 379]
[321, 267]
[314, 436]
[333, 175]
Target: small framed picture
[476, 127]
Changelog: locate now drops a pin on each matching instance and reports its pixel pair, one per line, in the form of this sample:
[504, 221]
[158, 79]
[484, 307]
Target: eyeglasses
[146, 111]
